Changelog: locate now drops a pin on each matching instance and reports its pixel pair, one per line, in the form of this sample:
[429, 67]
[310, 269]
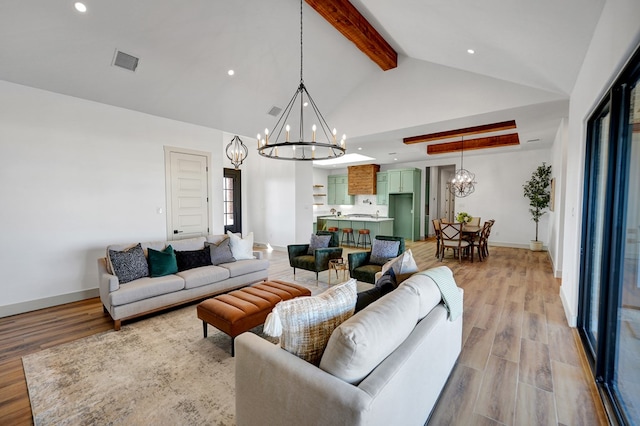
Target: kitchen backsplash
[363, 204]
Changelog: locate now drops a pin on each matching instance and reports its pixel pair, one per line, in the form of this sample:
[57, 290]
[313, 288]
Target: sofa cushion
[220, 252]
[318, 241]
[383, 250]
[243, 267]
[403, 266]
[197, 277]
[193, 259]
[241, 248]
[427, 290]
[145, 288]
[130, 264]
[162, 263]
[307, 322]
[360, 343]
[188, 244]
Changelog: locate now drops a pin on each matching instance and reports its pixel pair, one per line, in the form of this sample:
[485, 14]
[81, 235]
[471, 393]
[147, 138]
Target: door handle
[175, 231]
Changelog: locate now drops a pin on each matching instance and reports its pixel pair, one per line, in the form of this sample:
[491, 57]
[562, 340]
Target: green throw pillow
[162, 263]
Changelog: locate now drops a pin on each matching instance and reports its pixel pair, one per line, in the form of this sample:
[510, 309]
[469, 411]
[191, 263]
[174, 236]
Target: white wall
[76, 176]
[558, 171]
[498, 194]
[615, 38]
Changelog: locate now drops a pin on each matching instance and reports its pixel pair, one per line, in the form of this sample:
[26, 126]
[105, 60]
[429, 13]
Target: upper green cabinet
[402, 181]
[338, 190]
[382, 184]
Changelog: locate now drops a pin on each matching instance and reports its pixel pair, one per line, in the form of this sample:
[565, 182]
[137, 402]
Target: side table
[338, 265]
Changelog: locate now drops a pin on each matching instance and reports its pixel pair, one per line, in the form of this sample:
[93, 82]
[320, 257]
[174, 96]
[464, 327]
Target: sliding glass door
[609, 313]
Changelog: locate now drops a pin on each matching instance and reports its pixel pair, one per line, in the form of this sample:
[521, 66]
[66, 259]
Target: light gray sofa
[147, 295]
[405, 336]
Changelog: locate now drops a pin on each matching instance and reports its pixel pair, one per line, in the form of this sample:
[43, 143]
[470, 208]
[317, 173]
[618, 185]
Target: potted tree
[537, 191]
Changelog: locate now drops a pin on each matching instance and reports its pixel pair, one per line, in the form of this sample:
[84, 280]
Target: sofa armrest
[106, 281]
[358, 259]
[275, 387]
[323, 255]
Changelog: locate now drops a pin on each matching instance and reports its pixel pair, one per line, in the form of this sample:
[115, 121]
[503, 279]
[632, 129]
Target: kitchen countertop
[361, 219]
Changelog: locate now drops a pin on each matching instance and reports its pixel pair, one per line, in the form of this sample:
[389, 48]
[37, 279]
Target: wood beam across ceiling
[346, 19]
[475, 130]
[471, 144]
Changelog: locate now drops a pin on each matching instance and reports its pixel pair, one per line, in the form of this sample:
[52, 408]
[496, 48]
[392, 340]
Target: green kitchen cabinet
[338, 190]
[403, 181]
[382, 184]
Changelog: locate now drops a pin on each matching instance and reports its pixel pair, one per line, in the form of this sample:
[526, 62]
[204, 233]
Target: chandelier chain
[301, 62]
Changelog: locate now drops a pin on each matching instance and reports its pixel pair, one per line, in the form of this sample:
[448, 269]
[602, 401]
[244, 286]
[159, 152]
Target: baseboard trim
[47, 302]
[572, 319]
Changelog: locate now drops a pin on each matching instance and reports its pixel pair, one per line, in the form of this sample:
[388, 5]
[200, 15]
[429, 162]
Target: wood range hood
[363, 179]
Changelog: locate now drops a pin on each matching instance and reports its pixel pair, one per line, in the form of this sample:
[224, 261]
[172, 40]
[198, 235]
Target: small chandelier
[463, 182]
[236, 151]
[281, 142]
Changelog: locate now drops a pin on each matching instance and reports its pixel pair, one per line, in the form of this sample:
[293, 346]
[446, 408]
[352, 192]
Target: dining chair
[480, 241]
[475, 221]
[451, 234]
[436, 230]
[444, 220]
[486, 246]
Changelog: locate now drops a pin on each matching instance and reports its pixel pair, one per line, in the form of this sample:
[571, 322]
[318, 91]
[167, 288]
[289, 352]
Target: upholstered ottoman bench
[240, 310]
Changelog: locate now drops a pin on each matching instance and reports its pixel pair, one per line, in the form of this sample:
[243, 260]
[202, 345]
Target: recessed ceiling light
[359, 148]
[231, 72]
[395, 159]
[471, 51]
[305, 104]
[80, 7]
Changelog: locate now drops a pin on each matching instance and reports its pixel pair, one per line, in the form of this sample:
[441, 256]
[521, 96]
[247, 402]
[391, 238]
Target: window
[609, 313]
[231, 195]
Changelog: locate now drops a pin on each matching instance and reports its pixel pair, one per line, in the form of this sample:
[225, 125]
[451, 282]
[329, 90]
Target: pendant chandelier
[283, 144]
[463, 182]
[236, 151]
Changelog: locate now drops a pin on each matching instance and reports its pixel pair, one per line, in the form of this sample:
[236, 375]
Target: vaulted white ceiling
[528, 55]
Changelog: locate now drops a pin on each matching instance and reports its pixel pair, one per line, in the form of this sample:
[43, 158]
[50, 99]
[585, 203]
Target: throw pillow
[163, 262]
[130, 264]
[318, 241]
[385, 284]
[221, 252]
[241, 248]
[193, 258]
[307, 322]
[383, 250]
[403, 266]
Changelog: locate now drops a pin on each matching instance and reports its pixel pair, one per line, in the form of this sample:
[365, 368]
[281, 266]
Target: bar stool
[332, 229]
[364, 238]
[347, 233]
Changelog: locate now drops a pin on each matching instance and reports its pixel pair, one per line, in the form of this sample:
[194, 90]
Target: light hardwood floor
[520, 363]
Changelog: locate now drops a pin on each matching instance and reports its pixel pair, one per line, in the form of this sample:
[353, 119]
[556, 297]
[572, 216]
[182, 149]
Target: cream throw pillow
[307, 322]
[404, 266]
[241, 248]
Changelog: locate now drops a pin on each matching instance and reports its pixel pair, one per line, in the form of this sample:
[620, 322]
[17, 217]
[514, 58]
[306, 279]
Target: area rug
[154, 371]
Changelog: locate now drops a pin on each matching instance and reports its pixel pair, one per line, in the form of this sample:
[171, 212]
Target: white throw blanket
[451, 294]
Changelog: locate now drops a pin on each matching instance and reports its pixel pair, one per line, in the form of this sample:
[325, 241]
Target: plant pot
[535, 245]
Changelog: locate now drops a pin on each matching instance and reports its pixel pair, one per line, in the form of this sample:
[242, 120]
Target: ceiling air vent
[275, 111]
[126, 61]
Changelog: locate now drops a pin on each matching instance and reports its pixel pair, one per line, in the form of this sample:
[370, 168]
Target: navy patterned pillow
[130, 264]
[383, 250]
[193, 258]
[318, 241]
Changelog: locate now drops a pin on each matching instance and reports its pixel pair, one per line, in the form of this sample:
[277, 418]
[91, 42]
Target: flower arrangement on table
[463, 217]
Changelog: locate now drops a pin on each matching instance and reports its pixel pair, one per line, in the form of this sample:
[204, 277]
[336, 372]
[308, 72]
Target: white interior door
[189, 195]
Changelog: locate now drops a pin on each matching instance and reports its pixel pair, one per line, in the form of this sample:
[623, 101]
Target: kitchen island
[376, 226]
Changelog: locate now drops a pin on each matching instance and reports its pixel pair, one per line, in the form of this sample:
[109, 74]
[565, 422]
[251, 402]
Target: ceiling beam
[475, 130]
[346, 19]
[471, 144]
